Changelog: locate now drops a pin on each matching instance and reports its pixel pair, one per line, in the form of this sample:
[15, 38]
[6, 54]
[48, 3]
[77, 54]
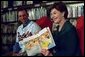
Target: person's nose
[22, 17]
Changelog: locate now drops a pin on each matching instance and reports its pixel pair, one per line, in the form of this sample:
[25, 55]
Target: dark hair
[60, 6]
[21, 8]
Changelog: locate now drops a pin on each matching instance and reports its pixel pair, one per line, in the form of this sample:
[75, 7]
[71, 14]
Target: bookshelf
[9, 18]
[75, 10]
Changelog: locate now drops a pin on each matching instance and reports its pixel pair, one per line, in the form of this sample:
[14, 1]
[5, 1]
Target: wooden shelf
[9, 22]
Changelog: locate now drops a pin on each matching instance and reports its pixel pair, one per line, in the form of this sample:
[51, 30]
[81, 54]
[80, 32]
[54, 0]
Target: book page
[46, 39]
[41, 40]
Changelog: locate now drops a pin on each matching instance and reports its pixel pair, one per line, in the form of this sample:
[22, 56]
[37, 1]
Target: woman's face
[56, 15]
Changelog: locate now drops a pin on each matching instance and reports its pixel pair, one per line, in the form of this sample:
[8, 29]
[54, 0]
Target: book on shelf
[69, 8]
[36, 13]
[8, 39]
[9, 16]
[17, 3]
[4, 39]
[75, 10]
[3, 17]
[82, 10]
[29, 2]
[4, 4]
[4, 28]
[9, 28]
[42, 40]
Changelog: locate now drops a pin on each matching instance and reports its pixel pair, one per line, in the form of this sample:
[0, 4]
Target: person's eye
[54, 13]
[20, 16]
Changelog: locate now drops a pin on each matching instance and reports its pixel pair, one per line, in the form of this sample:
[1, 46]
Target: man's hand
[17, 54]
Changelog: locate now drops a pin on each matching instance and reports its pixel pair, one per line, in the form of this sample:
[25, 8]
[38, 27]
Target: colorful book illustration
[42, 40]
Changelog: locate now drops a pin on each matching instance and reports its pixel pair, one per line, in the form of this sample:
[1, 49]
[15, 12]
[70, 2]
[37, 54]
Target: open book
[42, 40]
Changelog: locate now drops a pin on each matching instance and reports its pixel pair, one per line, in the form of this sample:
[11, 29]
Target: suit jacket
[67, 43]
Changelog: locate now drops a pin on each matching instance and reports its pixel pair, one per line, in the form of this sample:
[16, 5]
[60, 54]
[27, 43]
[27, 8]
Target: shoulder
[69, 28]
[34, 27]
[34, 24]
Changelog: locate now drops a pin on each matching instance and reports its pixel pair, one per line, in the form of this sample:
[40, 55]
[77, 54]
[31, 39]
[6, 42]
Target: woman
[66, 38]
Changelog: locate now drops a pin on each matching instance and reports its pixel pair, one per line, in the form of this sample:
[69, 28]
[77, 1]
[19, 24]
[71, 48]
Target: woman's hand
[46, 52]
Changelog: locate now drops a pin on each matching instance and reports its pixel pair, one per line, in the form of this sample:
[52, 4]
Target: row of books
[34, 14]
[8, 39]
[7, 44]
[19, 3]
[75, 10]
[9, 16]
[5, 4]
[8, 28]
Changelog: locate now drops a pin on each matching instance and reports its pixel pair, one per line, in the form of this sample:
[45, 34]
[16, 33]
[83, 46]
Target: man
[27, 28]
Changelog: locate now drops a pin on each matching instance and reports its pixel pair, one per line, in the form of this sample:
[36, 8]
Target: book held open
[42, 40]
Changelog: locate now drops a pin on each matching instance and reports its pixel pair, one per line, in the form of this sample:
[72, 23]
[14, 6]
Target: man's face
[22, 16]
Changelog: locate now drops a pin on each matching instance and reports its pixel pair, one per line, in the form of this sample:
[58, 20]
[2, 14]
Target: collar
[26, 23]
